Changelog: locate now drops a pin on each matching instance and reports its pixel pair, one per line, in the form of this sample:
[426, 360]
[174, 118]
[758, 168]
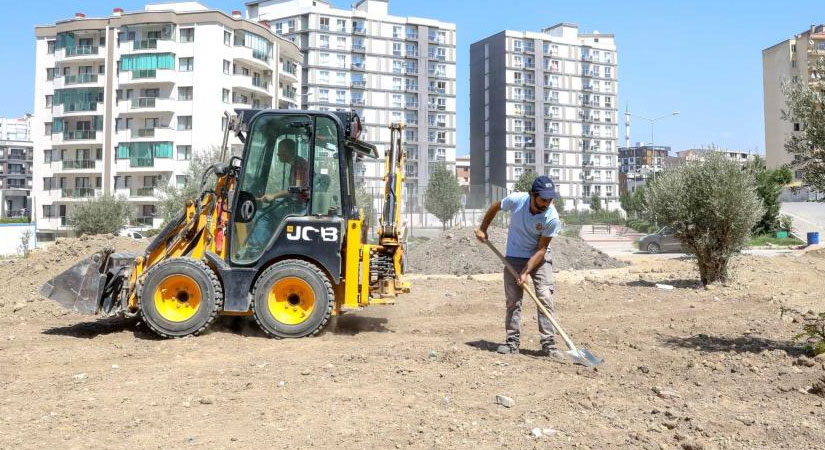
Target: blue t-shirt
[526, 227]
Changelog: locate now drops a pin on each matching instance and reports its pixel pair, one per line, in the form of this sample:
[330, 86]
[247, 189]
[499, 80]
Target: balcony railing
[81, 50]
[291, 69]
[79, 135]
[412, 36]
[143, 132]
[145, 44]
[80, 106]
[358, 102]
[359, 84]
[144, 74]
[144, 102]
[260, 83]
[359, 48]
[77, 192]
[143, 192]
[358, 66]
[141, 162]
[80, 79]
[78, 164]
[411, 71]
[289, 94]
[359, 30]
[411, 105]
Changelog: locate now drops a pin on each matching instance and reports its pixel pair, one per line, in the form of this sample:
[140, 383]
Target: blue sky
[702, 58]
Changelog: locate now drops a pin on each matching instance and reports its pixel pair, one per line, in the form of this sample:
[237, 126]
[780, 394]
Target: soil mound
[458, 252]
[23, 277]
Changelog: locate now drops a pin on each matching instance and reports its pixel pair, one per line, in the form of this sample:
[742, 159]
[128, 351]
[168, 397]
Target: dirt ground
[686, 368]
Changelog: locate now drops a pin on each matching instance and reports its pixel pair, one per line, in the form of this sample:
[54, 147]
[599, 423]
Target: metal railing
[145, 44]
[79, 135]
[81, 78]
[77, 192]
[144, 74]
[359, 83]
[144, 102]
[141, 162]
[80, 106]
[81, 50]
[142, 192]
[78, 164]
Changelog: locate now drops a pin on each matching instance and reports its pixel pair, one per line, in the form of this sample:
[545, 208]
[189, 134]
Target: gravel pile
[458, 252]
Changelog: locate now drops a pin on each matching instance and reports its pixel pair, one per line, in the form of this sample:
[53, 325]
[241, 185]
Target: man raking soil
[533, 224]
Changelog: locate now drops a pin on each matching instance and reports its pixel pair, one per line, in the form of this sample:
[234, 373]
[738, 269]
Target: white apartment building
[787, 61]
[15, 167]
[123, 102]
[387, 68]
[545, 102]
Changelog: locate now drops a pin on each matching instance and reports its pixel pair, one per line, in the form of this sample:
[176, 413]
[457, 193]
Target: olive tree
[712, 206]
[100, 215]
[805, 101]
[525, 181]
[443, 197]
[173, 197]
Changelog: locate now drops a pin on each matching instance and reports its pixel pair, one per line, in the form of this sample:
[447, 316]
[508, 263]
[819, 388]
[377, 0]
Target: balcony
[412, 36]
[436, 74]
[80, 135]
[290, 69]
[359, 48]
[411, 88]
[437, 57]
[358, 66]
[74, 109]
[77, 164]
[142, 221]
[75, 193]
[411, 54]
[436, 107]
[411, 105]
[359, 84]
[411, 70]
[252, 57]
[357, 102]
[145, 44]
[147, 76]
[288, 94]
[148, 191]
[359, 30]
[141, 162]
[82, 52]
[84, 78]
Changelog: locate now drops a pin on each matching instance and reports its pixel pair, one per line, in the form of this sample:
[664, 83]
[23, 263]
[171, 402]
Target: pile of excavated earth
[22, 278]
[458, 252]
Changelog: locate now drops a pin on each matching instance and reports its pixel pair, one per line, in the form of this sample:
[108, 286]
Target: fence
[474, 203]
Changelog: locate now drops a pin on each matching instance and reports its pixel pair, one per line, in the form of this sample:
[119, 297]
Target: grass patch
[572, 231]
[14, 220]
[765, 239]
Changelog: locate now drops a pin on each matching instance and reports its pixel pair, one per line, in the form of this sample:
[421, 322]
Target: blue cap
[544, 187]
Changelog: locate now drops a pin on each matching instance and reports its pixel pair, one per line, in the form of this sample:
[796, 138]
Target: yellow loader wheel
[180, 297]
[292, 299]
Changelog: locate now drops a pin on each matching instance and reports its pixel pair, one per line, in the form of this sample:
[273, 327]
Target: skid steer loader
[279, 236]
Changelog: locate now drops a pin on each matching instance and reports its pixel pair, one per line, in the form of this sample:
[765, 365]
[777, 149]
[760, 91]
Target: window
[224, 122]
[184, 152]
[396, 100]
[324, 23]
[341, 78]
[324, 41]
[341, 42]
[180, 181]
[227, 66]
[185, 93]
[49, 100]
[341, 25]
[227, 38]
[186, 64]
[323, 59]
[326, 186]
[50, 74]
[184, 123]
[225, 95]
[323, 95]
[396, 32]
[340, 96]
[323, 76]
[342, 61]
[188, 35]
[50, 47]
[796, 126]
[396, 49]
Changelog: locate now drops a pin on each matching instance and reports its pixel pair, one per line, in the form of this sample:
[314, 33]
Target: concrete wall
[10, 234]
[776, 68]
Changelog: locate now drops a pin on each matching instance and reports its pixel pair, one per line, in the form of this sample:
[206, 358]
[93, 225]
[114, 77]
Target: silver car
[661, 241]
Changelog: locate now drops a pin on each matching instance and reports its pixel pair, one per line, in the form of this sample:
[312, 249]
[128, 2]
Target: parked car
[661, 241]
[132, 234]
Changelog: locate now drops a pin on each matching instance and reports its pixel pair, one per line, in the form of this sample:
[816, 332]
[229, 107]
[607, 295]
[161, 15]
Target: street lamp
[652, 121]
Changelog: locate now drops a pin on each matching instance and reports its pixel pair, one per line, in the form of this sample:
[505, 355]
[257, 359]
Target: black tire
[653, 248]
[317, 285]
[210, 297]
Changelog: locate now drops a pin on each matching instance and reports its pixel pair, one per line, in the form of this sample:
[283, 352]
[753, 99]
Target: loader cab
[295, 187]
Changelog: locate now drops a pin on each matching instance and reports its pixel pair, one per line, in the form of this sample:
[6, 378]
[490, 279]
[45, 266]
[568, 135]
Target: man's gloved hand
[481, 235]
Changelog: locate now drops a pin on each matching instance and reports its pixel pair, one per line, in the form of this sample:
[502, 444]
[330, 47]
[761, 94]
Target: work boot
[509, 348]
[550, 350]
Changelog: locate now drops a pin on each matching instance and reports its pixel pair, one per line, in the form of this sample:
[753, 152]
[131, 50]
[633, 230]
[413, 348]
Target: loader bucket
[80, 288]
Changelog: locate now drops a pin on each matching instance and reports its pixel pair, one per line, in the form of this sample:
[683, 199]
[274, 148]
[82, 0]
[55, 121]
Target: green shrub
[712, 206]
[100, 215]
[14, 220]
[813, 334]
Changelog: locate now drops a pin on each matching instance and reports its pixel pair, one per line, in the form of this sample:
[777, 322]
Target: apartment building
[462, 172]
[122, 103]
[638, 163]
[545, 102]
[698, 154]
[15, 167]
[788, 61]
[385, 67]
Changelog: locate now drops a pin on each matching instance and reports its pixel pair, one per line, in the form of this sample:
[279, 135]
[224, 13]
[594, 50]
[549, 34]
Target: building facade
[546, 102]
[788, 61]
[462, 172]
[386, 68]
[123, 103]
[16, 153]
[638, 164]
[698, 154]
